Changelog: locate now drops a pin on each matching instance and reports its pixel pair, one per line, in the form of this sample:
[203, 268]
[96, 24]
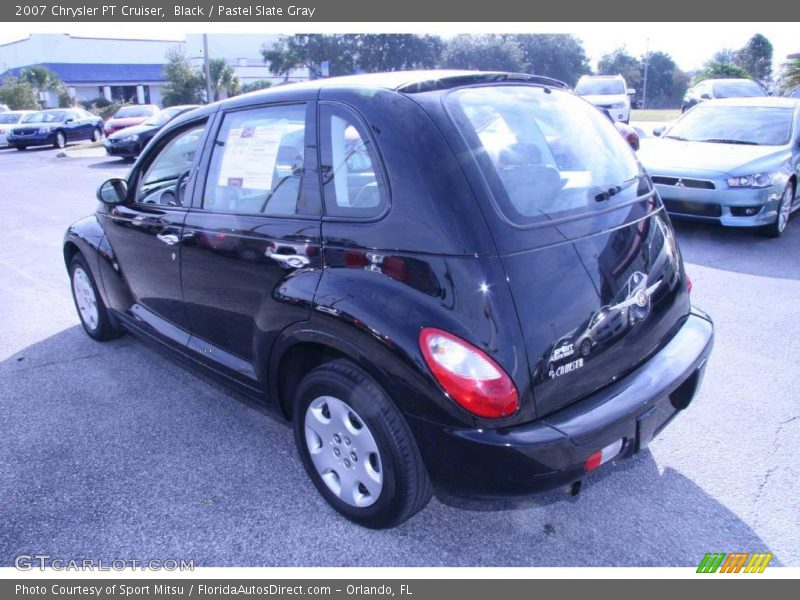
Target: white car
[609, 92]
[7, 120]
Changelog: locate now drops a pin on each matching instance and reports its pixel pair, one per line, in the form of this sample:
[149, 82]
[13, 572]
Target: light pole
[646, 62]
[207, 69]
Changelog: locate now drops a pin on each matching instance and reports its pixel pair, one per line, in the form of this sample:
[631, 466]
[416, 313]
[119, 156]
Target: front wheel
[777, 228]
[92, 311]
[357, 448]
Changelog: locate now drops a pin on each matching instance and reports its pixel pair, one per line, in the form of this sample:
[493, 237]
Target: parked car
[128, 116]
[710, 89]
[735, 162]
[609, 92]
[8, 119]
[795, 93]
[55, 127]
[128, 142]
[4, 108]
[416, 242]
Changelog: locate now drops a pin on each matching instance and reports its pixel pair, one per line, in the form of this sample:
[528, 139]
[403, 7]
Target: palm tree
[41, 79]
[222, 78]
[791, 74]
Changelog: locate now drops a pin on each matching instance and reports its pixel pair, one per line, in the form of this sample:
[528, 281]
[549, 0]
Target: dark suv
[414, 268]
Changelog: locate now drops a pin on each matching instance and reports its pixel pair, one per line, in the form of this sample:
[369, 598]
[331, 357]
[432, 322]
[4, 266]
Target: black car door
[145, 234]
[251, 246]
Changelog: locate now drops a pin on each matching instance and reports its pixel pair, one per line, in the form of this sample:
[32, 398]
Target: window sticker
[250, 156]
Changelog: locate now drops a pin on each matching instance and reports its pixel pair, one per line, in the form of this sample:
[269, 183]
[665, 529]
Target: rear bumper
[551, 452]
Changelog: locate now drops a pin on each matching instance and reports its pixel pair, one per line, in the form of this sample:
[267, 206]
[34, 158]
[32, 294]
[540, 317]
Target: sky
[689, 44]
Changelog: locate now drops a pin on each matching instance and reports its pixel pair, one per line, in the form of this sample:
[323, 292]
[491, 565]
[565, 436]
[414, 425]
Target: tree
[42, 80]
[185, 84]
[310, 51]
[790, 75]
[666, 84]
[376, 52]
[557, 55]
[619, 62]
[18, 94]
[223, 78]
[756, 58]
[483, 52]
[717, 70]
[259, 84]
[726, 56]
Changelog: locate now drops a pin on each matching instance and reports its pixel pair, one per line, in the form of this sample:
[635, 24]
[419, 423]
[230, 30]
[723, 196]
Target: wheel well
[295, 363]
[70, 250]
[793, 181]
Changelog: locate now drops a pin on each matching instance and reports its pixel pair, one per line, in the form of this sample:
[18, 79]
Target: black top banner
[340, 11]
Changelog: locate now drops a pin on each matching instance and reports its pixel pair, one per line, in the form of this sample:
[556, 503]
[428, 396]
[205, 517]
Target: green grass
[655, 115]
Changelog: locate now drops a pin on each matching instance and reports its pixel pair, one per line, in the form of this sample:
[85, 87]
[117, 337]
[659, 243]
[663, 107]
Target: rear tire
[61, 140]
[390, 483]
[94, 315]
[776, 229]
[20, 148]
[97, 134]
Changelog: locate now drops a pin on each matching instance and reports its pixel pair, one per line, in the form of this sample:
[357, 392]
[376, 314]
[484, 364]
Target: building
[130, 70]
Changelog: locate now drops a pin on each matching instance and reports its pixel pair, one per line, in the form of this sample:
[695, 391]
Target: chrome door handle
[289, 261]
[170, 239]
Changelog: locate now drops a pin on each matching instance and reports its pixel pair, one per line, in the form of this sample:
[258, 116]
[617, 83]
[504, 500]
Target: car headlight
[756, 180]
[131, 138]
[618, 105]
[45, 129]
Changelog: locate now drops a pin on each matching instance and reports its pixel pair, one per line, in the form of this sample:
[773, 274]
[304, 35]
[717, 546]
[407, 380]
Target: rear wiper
[727, 141]
[605, 194]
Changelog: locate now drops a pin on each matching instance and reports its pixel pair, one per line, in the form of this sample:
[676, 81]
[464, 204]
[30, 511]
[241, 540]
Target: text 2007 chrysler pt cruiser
[456, 278]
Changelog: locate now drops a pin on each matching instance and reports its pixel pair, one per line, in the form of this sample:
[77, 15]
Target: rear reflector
[602, 456]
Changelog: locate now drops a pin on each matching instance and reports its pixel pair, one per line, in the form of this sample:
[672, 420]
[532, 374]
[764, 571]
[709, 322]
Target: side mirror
[706, 96]
[631, 92]
[113, 191]
[658, 131]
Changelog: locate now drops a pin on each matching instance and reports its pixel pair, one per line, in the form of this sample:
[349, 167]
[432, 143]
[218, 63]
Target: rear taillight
[472, 379]
[688, 284]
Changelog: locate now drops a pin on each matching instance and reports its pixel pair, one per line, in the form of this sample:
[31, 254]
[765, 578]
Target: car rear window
[738, 90]
[130, 112]
[546, 154]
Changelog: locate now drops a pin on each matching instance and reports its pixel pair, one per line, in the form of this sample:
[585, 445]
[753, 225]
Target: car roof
[403, 81]
[729, 80]
[766, 101]
[602, 76]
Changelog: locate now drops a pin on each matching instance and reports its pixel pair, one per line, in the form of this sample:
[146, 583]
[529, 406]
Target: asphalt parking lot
[113, 451]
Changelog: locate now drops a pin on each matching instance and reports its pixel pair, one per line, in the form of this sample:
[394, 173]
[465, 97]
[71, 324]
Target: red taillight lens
[688, 284]
[468, 375]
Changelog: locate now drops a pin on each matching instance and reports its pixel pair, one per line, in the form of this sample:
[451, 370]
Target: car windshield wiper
[727, 141]
[606, 193]
[676, 137]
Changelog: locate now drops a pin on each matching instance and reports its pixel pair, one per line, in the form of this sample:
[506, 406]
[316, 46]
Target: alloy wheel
[85, 298]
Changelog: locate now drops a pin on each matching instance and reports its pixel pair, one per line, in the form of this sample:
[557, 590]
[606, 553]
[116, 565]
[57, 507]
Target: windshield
[742, 89]
[8, 118]
[547, 153]
[162, 118]
[47, 116]
[599, 87]
[754, 125]
[133, 111]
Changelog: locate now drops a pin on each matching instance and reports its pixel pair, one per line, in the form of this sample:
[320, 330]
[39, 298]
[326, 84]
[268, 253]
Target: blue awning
[99, 73]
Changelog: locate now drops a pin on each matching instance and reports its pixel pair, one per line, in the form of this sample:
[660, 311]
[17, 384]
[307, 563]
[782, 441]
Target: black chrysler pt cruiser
[459, 280]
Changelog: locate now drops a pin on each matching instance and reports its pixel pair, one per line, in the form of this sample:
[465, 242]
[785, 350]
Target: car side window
[257, 165]
[158, 184]
[352, 181]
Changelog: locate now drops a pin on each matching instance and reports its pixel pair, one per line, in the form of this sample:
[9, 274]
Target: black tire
[406, 486]
[105, 329]
[21, 148]
[776, 229]
[97, 134]
[60, 141]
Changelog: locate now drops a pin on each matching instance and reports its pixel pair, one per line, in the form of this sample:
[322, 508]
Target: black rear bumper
[551, 451]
